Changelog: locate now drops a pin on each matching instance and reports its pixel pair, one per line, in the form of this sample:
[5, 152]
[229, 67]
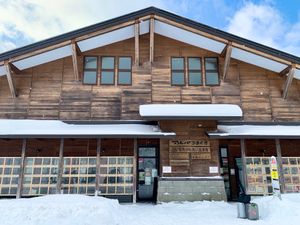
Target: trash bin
[241, 210]
[252, 211]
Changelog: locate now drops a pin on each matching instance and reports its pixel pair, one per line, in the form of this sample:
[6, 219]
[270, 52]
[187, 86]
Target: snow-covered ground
[83, 210]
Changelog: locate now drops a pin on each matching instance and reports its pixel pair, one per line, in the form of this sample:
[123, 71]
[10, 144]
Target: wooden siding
[49, 91]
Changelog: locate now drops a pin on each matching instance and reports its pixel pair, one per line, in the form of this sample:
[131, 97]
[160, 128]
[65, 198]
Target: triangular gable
[166, 24]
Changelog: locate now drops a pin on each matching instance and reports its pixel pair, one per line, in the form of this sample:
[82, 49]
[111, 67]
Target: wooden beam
[21, 172]
[244, 168]
[285, 71]
[60, 166]
[98, 166]
[227, 60]
[75, 61]
[134, 170]
[15, 69]
[10, 80]
[136, 43]
[288, 82]
[279, 163]
[151, 59]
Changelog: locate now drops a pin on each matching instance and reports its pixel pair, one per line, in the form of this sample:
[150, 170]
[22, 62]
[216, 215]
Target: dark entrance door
[147, 173]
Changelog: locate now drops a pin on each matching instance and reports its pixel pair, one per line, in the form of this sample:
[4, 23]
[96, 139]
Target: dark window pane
[212, 78]
[178, 78]
[195, 78]
[177, 63]
[124, 78]
[194, 64]
[125, 63]
[90, 63]
[108, 63]
[90, 77]
[107, 77]
[211, 64]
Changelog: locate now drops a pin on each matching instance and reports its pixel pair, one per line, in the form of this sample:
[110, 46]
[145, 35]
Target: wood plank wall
[50, 92]
[182, 163]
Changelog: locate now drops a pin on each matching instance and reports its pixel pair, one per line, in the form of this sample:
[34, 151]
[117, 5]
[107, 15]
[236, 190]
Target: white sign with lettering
[167, 169]
[213, 169]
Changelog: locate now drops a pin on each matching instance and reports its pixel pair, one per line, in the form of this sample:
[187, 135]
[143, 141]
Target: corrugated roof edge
[140, 13]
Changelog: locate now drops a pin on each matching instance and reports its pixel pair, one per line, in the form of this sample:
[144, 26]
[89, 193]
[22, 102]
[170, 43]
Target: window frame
[183, 70]
[200, 71]
[124, 70]
[93, 70]
[213, 71]
[108, 70]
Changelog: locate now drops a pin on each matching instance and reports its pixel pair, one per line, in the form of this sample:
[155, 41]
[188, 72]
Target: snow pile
[60, 209]
[273, 211]
[82, 210]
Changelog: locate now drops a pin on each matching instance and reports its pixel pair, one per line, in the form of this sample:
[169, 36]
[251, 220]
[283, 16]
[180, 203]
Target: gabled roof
[141, 13]
[281, 59]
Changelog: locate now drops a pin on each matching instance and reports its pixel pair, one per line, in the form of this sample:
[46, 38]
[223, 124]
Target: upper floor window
[124, 70]
[194, 71]
[107, 70]
[177, 71]
[211, 71]
[90, 70]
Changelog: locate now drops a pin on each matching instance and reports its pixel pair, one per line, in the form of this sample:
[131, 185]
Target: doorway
[147, 173]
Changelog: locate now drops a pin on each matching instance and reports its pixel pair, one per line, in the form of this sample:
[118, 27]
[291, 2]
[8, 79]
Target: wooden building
[148, 106]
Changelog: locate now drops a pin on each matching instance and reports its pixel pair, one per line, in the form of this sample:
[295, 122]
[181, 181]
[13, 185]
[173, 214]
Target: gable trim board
[162, 28]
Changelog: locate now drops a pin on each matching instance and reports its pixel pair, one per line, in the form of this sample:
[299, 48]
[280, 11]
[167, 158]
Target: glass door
[147, 173]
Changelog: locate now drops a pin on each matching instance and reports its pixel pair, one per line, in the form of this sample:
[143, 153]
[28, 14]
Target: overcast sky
[275, 23]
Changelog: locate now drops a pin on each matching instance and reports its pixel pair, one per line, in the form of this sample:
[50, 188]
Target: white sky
[26, 21]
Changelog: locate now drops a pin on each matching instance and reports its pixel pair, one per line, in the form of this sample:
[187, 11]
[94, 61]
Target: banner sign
[275, 177]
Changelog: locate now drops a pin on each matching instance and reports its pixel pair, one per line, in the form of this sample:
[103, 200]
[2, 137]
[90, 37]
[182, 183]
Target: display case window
[116, 176]
[9, 175]
[259, 179]
[79, 175]
[40, 176]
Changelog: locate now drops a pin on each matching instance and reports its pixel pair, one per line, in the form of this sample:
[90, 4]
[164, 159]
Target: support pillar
[279, 164]
[60, 166]
[21, 172]
[151, 40]
[98, 166]
[134, 169]
[243, 155]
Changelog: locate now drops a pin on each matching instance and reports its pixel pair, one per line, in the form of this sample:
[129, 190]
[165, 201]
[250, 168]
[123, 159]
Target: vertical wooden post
[227, 60]
[21, 172]
[98, 166]
[134, 169]
[288, 81]
[151, 40]
[10, 79]
[243, 155]
[279, 163]
[136, 43]
[75, 61]
[60, 166]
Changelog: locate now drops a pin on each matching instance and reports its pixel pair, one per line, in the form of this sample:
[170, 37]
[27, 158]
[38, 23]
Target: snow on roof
[56, 128]
[192, 111]
[257, 131]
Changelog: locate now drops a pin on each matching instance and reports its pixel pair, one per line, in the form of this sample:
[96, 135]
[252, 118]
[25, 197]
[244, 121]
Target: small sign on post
[275, 177]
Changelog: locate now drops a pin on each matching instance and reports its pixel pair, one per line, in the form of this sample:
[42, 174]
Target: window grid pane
[9, 175]
[40, 176]
[116, 175]
[211, 71]
[107, 63]
[107, 77]
[90, 77]
[79, 175]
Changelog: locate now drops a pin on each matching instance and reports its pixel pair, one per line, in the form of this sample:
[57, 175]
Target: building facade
[148, 106]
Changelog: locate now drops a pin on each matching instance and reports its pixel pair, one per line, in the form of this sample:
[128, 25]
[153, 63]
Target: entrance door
[147, 173]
